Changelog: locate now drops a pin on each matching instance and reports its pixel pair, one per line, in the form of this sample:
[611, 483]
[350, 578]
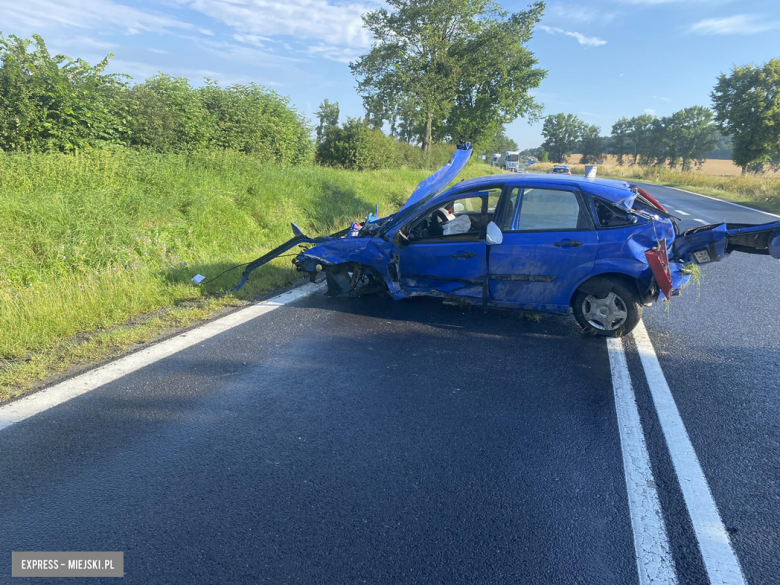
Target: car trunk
[710, 243]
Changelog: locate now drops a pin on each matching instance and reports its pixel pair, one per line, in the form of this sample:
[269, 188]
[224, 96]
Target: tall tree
[747, 108]
[454, 63]
[621, 144]
[639, 131]
[656, 146]
[499, 143]
[562, 134]
[690, 136]
[591, 144]
[328, 116]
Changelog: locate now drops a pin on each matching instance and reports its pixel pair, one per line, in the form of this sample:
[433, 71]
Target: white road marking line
[720, 560]
[654, 561]
[39, 401]
[681, 212]
[700, 220]
[724, 201]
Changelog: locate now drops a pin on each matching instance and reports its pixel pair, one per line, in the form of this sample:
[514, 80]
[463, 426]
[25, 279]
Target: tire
[613, 311]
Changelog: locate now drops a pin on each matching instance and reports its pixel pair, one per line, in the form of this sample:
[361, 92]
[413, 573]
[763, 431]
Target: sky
[605, 58]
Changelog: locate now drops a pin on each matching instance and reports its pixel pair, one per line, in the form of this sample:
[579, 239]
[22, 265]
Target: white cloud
[740, 24]
[256, 40]
[336, 24]
[579, 13]
[85, 14]
[590, 115]
[587, 41]
[244, 54]
[663, 99]
[158, 51]
[650, 111]
[338, 54]
[581, 39]
[82, 41]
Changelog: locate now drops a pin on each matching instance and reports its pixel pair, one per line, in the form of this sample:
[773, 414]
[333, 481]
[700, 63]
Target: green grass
[757, 191]
[90, 242]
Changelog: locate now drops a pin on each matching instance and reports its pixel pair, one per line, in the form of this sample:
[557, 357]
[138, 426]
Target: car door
[549, 245]
[443, 250]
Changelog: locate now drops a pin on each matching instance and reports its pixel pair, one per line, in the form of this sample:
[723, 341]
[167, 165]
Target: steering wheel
[441, 216]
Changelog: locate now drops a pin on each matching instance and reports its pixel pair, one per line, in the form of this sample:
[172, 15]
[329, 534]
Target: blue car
[548, 243]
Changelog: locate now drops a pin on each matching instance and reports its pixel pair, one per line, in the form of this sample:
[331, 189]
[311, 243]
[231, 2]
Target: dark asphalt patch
[339, 441]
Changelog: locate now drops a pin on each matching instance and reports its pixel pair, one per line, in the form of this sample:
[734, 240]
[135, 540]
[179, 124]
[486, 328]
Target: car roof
[610, 189]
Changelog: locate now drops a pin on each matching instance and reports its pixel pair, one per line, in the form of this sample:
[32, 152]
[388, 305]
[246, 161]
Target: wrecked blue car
[549, 243]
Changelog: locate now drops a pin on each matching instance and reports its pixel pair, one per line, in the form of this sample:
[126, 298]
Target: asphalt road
[366, 440]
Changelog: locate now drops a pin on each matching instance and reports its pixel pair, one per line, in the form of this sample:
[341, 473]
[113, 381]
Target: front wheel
[613, 312]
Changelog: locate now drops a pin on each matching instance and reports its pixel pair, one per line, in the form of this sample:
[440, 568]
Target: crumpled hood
[439, 180]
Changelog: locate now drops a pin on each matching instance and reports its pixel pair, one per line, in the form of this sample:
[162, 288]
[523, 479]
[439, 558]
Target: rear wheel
[613, 311]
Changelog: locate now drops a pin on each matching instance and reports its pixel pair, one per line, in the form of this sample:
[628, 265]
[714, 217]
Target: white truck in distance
[510, 161]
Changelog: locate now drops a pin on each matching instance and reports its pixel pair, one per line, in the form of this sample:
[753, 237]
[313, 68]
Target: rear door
[549, 245]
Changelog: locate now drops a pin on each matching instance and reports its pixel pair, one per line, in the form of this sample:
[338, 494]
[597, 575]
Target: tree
[639, 131]
[747, 108]
[543, 155]
[454, 67]
[497, 72]
[328, 115]
[621, 143]
[656, 147]
[591, 144]
[562, 134]
[499, 143]
[690, 136]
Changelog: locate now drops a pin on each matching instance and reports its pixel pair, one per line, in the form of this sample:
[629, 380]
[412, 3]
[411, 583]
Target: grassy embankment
[97, 250]
[759, 191]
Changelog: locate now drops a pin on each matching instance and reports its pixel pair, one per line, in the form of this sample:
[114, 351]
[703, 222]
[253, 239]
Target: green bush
[56, 103]
[356, 146]
[257, 121]
[60, 104]
[167, 115]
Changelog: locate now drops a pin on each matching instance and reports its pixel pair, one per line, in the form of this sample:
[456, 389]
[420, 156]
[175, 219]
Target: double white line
[651, 543]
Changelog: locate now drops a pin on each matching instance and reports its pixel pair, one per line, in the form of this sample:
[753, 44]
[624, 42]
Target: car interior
[459, 217]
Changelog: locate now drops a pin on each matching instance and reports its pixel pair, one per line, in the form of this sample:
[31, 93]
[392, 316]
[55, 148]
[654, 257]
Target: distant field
[724, 168]
[761, 191]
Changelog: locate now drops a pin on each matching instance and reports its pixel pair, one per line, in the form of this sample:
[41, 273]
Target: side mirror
[494, 235]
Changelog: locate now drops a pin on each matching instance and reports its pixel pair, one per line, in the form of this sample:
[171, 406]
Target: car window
[458, 217]
[549, 209]
[494, 195]
[513, 197]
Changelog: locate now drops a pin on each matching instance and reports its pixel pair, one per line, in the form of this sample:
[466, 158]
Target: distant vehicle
[496, 158]
[510, 161]
[560, 170]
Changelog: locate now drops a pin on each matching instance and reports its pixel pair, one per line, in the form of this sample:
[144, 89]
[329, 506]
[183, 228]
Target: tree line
[55, 103]
[745, 122]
